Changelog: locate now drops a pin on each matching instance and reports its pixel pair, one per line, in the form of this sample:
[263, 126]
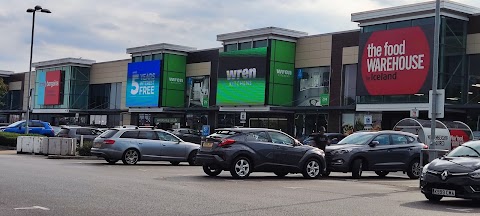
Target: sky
[102, 30]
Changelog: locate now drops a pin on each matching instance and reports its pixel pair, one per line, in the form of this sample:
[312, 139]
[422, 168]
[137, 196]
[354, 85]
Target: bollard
[81, 141]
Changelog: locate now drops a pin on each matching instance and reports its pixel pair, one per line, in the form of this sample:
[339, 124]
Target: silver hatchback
[132, 145]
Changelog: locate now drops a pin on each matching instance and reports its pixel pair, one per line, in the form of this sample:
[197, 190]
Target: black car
[245, 150]
[455, 175]
[188, 135]
[333, 138]
[382, 152]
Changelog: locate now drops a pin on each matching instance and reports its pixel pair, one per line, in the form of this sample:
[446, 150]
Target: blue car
[35, 127]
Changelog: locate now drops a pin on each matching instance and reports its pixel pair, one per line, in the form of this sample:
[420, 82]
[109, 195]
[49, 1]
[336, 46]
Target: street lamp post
[30, 10]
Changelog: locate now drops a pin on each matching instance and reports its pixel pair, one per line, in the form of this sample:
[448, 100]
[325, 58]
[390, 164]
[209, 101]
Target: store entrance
[306, 124]
[272, 123]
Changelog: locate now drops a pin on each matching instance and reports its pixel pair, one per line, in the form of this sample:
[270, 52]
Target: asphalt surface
[33, 185]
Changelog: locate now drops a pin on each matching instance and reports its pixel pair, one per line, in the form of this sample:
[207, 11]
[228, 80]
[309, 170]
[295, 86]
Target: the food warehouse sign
[396, 62]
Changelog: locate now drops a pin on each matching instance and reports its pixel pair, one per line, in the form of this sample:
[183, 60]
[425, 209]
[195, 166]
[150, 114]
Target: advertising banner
[458, 137]
[313, 87]
[198, 89]
[242, 77]
[52, 87]
[396, 62]
[143, 84]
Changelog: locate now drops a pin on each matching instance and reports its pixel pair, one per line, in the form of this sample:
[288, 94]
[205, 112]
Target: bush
[85, 150]
[10, 139]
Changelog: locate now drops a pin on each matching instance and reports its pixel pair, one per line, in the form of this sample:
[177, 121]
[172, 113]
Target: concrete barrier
[27, 144]
[19, 144]
[40, 145]
[54, 145]
[68, 147]
[44, 146]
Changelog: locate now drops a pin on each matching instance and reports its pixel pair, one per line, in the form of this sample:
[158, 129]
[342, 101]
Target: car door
[268, 153]
[289, 154]
[35, 128]
[149, 145]
[402, 149]
[379, 156]
[172, 147]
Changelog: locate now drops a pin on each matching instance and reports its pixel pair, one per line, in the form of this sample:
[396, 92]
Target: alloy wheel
[242, 168]
[416, 169]
[131, 156]
[313, 168]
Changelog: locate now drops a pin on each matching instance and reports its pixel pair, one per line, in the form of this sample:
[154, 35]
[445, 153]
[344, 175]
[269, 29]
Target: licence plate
[207, 145]
[443, 192]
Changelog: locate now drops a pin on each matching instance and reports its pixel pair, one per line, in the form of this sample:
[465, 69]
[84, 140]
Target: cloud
[102, 30]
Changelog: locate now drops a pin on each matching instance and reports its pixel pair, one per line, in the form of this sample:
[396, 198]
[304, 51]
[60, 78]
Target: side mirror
[373, 143]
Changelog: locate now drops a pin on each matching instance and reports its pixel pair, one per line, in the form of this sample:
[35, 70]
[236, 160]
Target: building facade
[368, 78]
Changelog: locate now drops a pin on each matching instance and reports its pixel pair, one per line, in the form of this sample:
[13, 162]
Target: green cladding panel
[282, 95]
[282, 51]
[173, 98]
[175, 63]
[282, 73]
[281, 77]
[173, 80]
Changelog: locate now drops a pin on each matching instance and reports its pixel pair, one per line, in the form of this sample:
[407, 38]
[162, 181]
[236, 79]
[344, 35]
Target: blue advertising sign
[143, 84]
[205, 130]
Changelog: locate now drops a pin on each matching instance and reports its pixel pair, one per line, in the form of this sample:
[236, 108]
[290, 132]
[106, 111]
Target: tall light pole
[436, 51]
[30, 10]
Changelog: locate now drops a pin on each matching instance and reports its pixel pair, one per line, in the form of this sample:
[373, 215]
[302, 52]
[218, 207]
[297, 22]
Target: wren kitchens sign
[242, 77]
[396, 62]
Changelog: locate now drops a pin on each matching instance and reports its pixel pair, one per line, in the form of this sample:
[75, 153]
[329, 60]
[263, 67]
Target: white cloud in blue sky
[101, 30]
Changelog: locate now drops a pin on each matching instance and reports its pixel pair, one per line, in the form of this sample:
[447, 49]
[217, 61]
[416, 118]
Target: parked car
[455, 175]
[382, 152]
[34, 127]
[333, 138]
[245, 150]
[189, 135]
[133, 145]
[89, 134]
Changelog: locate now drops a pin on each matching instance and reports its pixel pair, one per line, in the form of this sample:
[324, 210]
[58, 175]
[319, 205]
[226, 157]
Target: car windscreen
[63, 131]
[360, 139]
[15, 124]
[108, 133]
[466, 150]
[223, 134]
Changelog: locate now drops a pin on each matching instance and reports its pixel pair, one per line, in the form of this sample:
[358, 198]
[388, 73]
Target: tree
[3, 91]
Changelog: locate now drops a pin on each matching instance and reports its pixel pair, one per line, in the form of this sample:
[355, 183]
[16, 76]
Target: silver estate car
[132, 145]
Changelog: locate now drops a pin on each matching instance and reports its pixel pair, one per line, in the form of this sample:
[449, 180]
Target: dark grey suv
[245, 150]
[382, 152]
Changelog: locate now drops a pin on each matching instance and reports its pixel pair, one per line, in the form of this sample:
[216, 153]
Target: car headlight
[425, 169]
[475, 174]
[341, 151]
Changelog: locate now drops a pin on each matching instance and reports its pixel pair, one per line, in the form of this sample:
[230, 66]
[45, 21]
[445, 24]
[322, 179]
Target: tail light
[226, 142]
[109, 142]
[425, 146]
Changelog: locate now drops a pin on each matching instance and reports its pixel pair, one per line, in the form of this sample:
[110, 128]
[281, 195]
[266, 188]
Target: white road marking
[144, 170]
[33, 207]
[293, 187]
[461, 210]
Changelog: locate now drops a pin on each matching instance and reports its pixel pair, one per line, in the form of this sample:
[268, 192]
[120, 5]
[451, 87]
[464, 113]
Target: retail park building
[373, 76]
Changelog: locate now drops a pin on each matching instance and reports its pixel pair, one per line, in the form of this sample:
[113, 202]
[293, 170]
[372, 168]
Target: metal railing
[435, 155]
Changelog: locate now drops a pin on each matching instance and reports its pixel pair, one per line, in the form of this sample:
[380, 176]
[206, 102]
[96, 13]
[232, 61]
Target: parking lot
[33, 185]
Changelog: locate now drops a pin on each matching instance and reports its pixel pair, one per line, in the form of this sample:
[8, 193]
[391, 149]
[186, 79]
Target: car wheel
[433, 198]
[382, 173]
[111, 161]
[191, 158]
[241, 168]
[175, 163]
[130, 157]
[414, 169]
[211, 171]
[311, 169]
[281, 174]
[357, 168]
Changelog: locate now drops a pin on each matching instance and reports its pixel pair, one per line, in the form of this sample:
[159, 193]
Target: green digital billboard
[281, 77]
[242, 77]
